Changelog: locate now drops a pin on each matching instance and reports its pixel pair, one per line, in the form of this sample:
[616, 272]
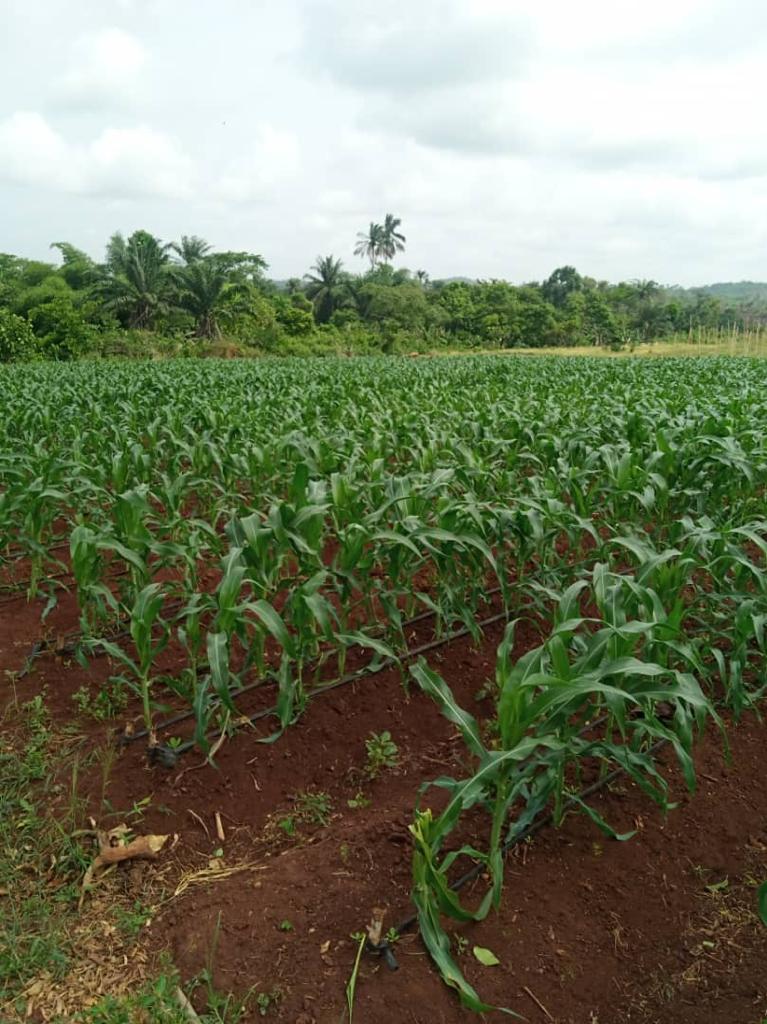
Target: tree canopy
[150, 295]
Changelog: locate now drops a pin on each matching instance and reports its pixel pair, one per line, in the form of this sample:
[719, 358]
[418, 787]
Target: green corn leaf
[118, 654]
[323, 612]
[202, 712]
[218, 660]
[762, 902]
[359, 639]
[273, 622]
[433, 684]
[600, 822]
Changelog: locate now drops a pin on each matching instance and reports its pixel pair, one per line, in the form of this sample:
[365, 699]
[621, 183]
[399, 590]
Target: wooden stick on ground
[537, 1002]
[187, 1007]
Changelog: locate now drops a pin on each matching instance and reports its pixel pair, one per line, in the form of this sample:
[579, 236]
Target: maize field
[281, 528]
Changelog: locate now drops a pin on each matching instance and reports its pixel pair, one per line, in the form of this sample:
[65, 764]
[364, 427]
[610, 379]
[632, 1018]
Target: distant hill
[734, 291]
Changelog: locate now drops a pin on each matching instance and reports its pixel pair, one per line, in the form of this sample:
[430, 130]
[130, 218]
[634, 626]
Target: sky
[510, 136]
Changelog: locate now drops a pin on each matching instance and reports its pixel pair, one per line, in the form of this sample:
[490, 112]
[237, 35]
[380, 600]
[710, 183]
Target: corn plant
[145, 623]
[545, 704]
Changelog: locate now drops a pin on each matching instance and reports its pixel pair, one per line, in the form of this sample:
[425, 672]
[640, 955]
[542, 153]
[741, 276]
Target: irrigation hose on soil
[260, 683]
[167, 756]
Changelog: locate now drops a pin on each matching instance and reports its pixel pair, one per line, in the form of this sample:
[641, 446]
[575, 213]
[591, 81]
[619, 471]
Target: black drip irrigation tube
[259, 684]
[384, 947]
[12, 592]
[167, 756]
[41, 647]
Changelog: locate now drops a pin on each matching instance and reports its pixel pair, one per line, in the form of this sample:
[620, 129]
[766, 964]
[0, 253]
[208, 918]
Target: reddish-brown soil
[590, 931]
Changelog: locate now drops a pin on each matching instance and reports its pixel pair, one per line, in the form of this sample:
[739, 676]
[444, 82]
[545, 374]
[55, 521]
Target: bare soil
[656, 930]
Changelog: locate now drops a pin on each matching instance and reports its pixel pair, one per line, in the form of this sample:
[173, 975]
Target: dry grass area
[652, 350]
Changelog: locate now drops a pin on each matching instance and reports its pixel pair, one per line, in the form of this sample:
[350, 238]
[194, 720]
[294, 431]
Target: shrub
[61, 329]
[17, 339]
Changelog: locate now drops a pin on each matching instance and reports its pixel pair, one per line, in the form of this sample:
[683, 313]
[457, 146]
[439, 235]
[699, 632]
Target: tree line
[148, 297]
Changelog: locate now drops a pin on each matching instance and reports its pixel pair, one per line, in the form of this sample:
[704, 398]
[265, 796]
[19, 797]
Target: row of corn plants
[633, 658]
[261, 518]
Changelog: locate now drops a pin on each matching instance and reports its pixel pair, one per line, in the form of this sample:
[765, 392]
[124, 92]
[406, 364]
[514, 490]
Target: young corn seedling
[94, 596]
[145, 621]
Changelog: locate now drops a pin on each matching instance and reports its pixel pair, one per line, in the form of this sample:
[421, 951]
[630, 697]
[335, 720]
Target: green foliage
[137, 279]
[314, 807]
[268, 517]
[392, 309]
[762, 903]
[17, 339]
[563, 282]
[158, 299]
[108, 701]
[209, 293]
[296, 322]
[382, 752]
[327, 288]
[36, 854]
[158, 1001]
[62, 331]
[381, 242]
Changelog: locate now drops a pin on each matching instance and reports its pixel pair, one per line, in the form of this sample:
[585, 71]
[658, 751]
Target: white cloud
[400, 48]
[695, 121]
[105, 68]
[138, 161]
[272, 158]
[32, 153]
[119, 162]
[511, 137]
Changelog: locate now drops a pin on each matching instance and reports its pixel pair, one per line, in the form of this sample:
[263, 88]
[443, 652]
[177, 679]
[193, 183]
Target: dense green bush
[62, 331]
[17, 339]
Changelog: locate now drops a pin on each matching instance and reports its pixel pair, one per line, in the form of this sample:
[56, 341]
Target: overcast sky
[510, 137]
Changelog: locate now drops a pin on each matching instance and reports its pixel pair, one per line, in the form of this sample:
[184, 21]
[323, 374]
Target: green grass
[39, 863]
[158, 1001]
[43, 857]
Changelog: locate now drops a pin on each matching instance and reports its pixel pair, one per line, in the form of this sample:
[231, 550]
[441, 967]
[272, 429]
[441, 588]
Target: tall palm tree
[137, 281]
[647, 289]
[208, 291]
[393, 241]
[191, 248]
[326, 287]
[370, 243]
[117, 253]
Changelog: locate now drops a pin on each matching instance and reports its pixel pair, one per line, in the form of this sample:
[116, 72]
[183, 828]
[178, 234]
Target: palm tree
[208, 291]
[137, 281]
[326, 287]
[117, 253]
[393, 240]
[646, 289]
[422, 277]
[370, 243]
[191, 248]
